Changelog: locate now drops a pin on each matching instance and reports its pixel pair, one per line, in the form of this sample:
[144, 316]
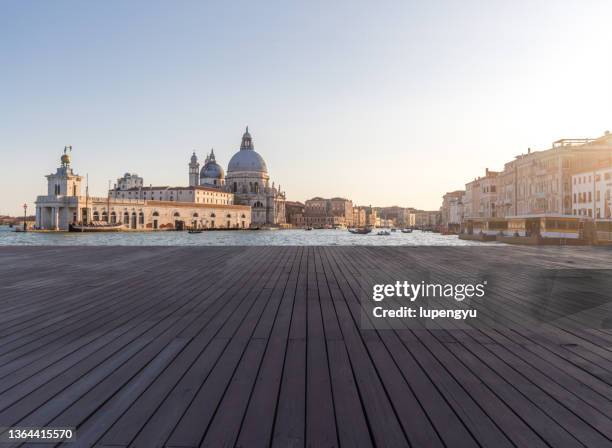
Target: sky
[385, 103]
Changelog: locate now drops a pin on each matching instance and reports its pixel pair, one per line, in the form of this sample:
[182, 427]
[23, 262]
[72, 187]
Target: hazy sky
[382, 102]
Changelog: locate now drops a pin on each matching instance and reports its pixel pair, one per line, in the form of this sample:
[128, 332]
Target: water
[295, 237]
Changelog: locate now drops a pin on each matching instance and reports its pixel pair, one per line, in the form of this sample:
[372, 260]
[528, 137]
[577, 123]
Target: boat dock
[262, 346]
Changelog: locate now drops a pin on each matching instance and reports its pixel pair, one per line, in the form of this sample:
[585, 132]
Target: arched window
[155, 214]
[113, 217]
[256, 187]
[104, 216]
[96, 216]
[243, 216]
[176, 214]
[126, 218]
[212, 215]
[258, 204]
[228, 216]
[141, 218]
[235, 187]
[195, 215]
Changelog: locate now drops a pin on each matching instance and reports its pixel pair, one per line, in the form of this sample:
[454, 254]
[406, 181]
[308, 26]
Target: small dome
[211, 169]
[194, 158]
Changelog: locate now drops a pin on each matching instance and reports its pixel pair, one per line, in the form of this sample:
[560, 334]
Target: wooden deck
[261, 346]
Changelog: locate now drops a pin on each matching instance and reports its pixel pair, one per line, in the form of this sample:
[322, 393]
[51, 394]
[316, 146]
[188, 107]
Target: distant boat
[406, 230]
[394, 230]
[360, 230]
[384, 233]
[95, 227]
[195, 231]
[308, 228]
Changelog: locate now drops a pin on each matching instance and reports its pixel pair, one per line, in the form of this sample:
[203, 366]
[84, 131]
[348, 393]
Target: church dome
[247, 159]
[211, 169]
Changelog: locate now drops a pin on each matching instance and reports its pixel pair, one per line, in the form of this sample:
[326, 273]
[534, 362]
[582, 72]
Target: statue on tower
[66, 157]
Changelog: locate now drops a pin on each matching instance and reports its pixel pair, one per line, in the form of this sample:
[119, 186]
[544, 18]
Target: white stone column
[55, 218]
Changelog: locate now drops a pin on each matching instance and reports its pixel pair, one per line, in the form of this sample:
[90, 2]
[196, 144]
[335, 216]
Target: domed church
[248, 178]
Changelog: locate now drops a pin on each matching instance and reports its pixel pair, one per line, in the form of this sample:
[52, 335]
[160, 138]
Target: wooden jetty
[262, 346]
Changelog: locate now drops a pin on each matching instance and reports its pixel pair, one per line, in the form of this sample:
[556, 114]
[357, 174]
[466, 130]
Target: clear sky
[381, 102]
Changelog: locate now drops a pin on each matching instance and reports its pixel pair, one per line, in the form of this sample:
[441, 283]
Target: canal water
[297, 237]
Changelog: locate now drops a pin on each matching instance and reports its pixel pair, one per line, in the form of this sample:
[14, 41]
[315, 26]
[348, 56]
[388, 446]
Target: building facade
[542, 182]
[294, 212]
[247, 180]
[137, 208]
[321, 212]
[592, 193]
[328, 212]
[451, 212]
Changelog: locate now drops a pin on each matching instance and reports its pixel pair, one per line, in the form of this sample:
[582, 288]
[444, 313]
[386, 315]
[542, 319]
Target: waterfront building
[247, 180]
[399, 216]
[359, 217]
[294, 212]
[451, 212]
[427, 219]
[540, 182]
[136, 207]
[481, 196]
[321, 212]
[592, 193]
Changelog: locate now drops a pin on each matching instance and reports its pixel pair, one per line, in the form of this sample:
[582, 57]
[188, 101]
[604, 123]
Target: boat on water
[360, 230]
[394, 230]
[406, 230]
[308, 228]
[195, 231]
[95, 227]
[384, 233]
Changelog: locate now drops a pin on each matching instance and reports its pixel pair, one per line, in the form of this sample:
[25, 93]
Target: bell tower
[194, 170]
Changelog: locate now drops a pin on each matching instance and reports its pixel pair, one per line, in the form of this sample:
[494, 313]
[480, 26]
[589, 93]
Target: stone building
[247, 179]
[538, 182]
[136, 207]
[451, 212]
[592, 193]
[294, 212]
[321, 212]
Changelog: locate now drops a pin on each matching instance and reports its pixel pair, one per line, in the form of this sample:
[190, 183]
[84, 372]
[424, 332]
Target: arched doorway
[178, 223]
